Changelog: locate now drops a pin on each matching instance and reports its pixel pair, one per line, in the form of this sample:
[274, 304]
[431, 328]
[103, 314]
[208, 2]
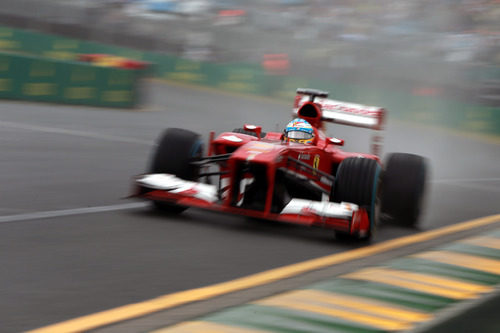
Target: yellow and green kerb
[398, 296]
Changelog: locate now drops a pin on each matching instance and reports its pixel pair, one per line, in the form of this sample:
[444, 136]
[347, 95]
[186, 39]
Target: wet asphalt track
[66, 158]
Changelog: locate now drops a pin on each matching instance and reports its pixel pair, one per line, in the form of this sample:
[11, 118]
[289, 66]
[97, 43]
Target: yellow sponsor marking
[386, 277]
[41, 69]
[62, 55]
[493, 243]
[130, 311]
[5, 84]
[80, 92]
[462, 260]
[116, 96]
[296, 302]
[9, 44]
[356, 304]
[205, 327]
[4, 65]
[39, 89]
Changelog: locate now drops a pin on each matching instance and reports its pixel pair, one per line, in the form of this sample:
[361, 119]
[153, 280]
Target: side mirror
[335, 141]
[252, 128]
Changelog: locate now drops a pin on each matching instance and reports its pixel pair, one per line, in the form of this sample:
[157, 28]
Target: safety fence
[417, 104]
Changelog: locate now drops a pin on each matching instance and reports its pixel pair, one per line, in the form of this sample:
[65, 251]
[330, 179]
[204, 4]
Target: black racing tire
[403, 189]
[176, 149]
[357, 181]
[244, 131]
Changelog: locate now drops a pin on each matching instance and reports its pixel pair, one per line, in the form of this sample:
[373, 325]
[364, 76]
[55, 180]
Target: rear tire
[177, 148]
[403, 188]
[357, 182]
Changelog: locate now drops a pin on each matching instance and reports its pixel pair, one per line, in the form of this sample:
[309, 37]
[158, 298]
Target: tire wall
[422, 104]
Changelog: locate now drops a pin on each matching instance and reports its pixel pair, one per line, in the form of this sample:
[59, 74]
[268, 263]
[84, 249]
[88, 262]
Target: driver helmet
[299, 130]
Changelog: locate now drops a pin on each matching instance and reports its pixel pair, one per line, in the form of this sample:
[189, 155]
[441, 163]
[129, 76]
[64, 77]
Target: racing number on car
[315, 163]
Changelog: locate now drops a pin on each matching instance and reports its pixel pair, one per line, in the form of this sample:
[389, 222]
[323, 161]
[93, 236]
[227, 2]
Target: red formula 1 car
[304, 178]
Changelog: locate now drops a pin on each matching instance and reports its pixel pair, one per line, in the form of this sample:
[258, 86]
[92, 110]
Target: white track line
[465, 180]
[481, 184]
[481, 187]
[91, 135]
[69, 212]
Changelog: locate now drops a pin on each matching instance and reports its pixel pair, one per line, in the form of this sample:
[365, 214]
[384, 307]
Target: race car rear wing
[333, 111]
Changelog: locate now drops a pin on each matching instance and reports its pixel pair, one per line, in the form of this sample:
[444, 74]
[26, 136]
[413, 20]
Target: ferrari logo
[316, 163]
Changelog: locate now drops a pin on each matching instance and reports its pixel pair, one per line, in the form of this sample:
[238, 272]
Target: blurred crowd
[334, 33]
[442, 30]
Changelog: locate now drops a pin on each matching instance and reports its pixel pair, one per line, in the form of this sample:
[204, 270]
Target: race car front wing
[344, 216]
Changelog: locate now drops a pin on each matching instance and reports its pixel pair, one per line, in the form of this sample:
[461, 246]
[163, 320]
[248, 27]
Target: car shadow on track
[241, 224]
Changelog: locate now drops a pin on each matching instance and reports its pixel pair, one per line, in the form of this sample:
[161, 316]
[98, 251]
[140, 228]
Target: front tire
[403, 188]
[177, 148]
[357, 182]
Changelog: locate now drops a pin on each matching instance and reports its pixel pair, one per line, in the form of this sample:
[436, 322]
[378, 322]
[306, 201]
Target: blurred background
[431, 61]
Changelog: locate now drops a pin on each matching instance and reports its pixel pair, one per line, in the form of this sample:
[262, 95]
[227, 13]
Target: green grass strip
[279, 320]
[426, 266]
[473, 250]
[494, 234]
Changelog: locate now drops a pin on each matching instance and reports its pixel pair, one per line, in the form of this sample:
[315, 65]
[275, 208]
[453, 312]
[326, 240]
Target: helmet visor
[299, 135]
